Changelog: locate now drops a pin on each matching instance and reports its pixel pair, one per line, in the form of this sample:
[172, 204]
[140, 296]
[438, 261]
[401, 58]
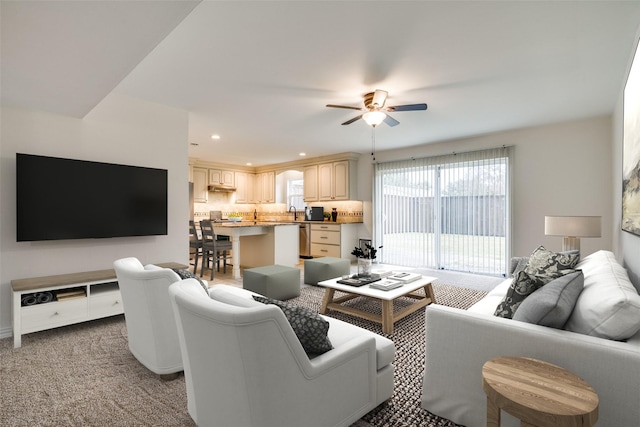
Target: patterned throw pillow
[518, 264]
[310, 328]
[544, 263]
[523, 285]
[186, 274]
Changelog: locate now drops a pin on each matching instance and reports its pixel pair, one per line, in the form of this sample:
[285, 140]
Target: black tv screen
[60, 199]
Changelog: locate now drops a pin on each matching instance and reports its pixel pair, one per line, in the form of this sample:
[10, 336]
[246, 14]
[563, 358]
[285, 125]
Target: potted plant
[365, 258]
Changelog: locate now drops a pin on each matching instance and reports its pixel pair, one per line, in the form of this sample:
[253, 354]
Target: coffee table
[388, 317]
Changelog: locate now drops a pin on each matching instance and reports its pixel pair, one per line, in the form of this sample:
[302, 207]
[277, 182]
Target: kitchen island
[263, 243]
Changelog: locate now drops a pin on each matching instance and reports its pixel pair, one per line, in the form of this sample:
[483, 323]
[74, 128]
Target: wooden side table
[538, 393]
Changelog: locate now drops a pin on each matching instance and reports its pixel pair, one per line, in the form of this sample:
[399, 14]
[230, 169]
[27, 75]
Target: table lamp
[571, 228]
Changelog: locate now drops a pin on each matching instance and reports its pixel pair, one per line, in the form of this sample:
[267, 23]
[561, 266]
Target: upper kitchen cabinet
[311, 183]
[265, 187]
[221, 177]
[336, 181]
[200, 185]
[244, 187]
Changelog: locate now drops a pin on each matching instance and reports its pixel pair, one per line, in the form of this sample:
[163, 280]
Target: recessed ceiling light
[303, 154]
[215, 136]
[248, 164]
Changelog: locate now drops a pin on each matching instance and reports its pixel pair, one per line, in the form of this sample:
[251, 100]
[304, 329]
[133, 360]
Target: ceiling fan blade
[391, 121]
[348, 122]
[379, 97]
[344, 106]
[410, 107]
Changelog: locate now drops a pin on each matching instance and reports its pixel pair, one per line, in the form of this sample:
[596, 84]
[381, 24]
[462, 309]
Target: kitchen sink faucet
[295, 212]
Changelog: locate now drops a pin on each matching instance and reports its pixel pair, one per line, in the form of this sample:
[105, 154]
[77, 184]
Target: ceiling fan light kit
[374, 111]
[374, 118]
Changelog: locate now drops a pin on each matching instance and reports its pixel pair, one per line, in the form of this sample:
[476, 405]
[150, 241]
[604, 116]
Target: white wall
[561, 169]
[118, 130]
[627, 245]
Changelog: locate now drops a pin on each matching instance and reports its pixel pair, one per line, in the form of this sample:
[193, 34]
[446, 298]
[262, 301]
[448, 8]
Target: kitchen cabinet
[244, 187]
[200, 183]
[221, 177]
[337, 181]
[265, 187]
[311, 183]
[333, 240]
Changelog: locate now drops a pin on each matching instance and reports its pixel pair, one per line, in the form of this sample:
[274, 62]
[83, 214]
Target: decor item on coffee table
[319, 269]
[386, 298]
[537, 393]
[245, 366]
[273, 281]
[365, 259]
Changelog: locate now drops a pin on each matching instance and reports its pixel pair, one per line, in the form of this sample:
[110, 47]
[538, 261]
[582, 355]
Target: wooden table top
[542, 393]
[34, 283]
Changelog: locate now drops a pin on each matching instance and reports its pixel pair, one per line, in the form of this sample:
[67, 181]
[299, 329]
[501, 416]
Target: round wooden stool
[538, 393]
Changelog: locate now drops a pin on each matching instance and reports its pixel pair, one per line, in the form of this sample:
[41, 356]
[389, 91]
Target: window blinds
[446, 212]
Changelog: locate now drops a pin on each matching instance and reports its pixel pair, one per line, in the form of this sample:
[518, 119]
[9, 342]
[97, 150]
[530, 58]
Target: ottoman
[319, 269]
[273, 281]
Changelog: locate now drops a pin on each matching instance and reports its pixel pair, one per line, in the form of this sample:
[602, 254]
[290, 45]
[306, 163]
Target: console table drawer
[105, 304]
[53, 314]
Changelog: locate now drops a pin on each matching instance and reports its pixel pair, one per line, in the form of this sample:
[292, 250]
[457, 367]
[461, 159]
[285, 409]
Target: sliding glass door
[448, 212]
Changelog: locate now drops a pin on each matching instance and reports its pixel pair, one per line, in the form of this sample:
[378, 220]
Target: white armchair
[151, 326]
[244, 365]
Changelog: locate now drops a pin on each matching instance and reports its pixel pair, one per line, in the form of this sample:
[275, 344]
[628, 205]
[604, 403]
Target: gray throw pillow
[545, 263]
[310, 328]
[552, 304]
[522, 286]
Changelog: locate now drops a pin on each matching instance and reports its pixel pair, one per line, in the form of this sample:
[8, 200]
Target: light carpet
[84, 375]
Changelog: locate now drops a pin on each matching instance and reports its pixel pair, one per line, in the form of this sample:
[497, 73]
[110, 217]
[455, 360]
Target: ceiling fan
[374, 111]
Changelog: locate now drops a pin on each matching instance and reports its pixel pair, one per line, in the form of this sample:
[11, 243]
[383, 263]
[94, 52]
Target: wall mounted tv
[59, 199]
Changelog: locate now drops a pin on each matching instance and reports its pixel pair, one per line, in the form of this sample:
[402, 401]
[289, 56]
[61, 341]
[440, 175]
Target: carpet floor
[84, 375]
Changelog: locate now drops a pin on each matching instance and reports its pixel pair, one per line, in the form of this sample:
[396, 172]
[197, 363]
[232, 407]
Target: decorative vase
[364, 267]
[334, 214]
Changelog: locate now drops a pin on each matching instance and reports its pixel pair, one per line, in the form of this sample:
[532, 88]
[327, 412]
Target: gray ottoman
[319, 269]
[273, 281]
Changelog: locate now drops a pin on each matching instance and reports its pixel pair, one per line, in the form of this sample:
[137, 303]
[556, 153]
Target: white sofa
[459, 342]
[244, 365]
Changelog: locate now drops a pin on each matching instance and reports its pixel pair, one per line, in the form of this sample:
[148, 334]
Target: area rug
[408, 336]
[84, 375]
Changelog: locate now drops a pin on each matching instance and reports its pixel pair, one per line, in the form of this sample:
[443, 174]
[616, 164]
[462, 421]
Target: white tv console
[99, 297]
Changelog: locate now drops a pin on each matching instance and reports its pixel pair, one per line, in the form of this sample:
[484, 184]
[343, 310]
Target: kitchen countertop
[248, 223]
[252, 224]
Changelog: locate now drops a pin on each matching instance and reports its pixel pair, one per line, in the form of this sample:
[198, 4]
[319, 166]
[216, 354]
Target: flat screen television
[60, 199]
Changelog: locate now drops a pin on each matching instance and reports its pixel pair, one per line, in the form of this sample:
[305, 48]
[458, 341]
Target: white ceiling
[260, 73]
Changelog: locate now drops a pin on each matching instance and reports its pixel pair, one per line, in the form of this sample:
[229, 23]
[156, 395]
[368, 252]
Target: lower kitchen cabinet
[333, 240]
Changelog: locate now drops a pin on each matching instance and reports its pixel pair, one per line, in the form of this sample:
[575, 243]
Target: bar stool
[195, 244]
[213, 250]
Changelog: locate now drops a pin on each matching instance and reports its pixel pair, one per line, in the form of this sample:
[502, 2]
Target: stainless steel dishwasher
[305, 240]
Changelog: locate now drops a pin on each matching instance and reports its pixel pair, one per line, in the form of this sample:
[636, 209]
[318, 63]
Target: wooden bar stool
[537, 393]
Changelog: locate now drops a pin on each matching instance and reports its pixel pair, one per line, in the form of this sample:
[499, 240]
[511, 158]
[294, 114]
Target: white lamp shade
[572, 226]
[374, 118]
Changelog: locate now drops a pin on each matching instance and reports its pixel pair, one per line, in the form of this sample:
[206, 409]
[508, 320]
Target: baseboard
[6, 333]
